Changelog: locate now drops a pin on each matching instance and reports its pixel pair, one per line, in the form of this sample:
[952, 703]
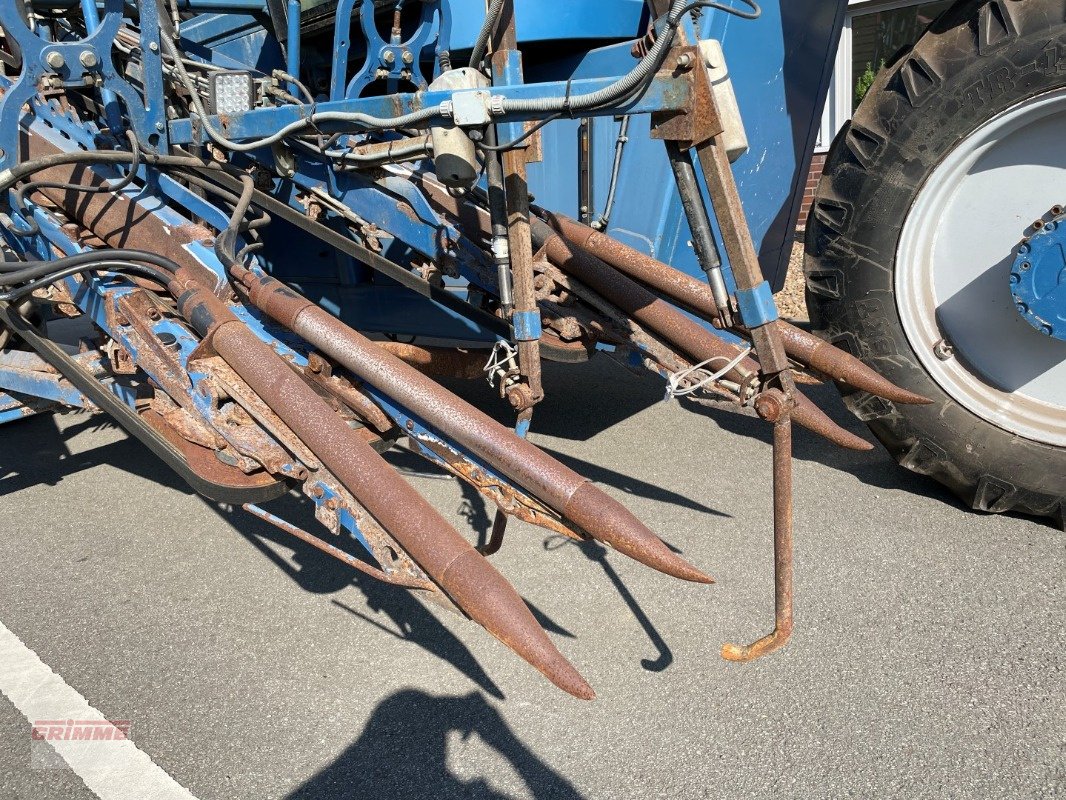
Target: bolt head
[153, 46]
[408, 57]
[55, 60]
[388, 57]
[88, 59]
[944, 350]
[770, 406]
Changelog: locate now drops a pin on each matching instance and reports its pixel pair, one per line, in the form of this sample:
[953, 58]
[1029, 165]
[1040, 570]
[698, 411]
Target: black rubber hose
[32, 270]
[152, 273]
[20, 194]
[481, 44]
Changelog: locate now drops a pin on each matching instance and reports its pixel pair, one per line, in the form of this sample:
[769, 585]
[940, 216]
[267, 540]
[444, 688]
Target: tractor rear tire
[981, 63]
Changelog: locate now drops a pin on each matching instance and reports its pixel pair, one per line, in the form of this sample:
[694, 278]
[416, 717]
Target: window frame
[838, 105]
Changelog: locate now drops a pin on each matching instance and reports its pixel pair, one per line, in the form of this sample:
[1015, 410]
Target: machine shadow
[619, 394]
[403, 753]
[318, 573]
[596, 552]
[35, 451]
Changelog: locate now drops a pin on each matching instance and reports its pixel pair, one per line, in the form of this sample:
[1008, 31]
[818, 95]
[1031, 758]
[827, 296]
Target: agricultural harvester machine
[256, 233]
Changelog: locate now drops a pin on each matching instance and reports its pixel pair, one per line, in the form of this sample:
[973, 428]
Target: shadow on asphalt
[403, 753]
[594, 551]
[36, 452]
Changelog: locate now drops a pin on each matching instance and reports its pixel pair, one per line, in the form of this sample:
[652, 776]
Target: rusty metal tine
[842, 366]
[782, 550]
[499, 528]
[665, 320]
[557, 486]
[696, 296]
[345, 558]
[452, 562]
[808, 415]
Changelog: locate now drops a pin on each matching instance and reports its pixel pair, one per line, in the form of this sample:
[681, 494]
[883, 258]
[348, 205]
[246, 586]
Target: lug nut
[943, 350]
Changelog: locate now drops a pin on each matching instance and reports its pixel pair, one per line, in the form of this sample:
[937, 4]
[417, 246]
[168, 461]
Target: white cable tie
[502, 355]
[674, 390]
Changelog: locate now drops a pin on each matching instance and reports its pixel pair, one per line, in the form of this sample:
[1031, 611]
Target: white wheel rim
[953, 270]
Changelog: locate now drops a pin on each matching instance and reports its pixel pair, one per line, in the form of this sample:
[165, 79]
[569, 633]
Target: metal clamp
[757, 306]
[527, 327]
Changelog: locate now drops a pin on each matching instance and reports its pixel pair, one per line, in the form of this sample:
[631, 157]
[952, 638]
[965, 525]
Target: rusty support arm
[775, 407]
[574, 497]
[696, 296]
[507, 65]
[453, 563]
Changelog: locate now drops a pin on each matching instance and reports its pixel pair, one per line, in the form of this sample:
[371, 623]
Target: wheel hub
[1038, 279]
[957, 251]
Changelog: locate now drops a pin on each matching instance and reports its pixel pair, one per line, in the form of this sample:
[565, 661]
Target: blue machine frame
[780, 67]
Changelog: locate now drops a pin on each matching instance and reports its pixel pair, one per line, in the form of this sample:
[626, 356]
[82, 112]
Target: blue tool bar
[292, 43]
[183, 5]
[510, 74]
[111, 109]
[664, 94]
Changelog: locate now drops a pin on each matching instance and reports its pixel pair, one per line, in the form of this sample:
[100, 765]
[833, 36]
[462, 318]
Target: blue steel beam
[663, 94]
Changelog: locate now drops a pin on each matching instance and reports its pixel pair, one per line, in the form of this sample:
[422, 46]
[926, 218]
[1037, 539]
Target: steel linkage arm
[701, 130]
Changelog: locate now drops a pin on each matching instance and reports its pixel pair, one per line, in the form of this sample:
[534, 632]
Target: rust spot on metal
[504, 497]
[202, 460]
[440, 362]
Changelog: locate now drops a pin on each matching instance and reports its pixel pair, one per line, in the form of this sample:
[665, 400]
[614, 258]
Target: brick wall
[812, 184]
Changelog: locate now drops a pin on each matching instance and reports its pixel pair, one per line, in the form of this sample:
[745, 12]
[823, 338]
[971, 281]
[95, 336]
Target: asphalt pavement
[927, 659]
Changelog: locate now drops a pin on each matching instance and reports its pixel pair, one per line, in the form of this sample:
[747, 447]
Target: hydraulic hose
[481, 45]
[620, 88]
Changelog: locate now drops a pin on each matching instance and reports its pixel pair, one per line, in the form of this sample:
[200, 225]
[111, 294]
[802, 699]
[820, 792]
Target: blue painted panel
[543, 22]
[781, 66]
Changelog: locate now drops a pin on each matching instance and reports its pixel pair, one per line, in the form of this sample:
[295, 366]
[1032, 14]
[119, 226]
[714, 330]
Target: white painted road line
[113, 770]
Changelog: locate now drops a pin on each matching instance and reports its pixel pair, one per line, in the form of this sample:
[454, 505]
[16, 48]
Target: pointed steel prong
[842, 366]
[608, 521]
[809, 416]
[487, 597]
